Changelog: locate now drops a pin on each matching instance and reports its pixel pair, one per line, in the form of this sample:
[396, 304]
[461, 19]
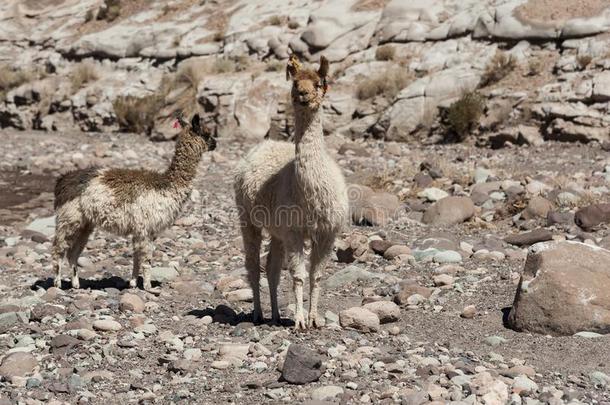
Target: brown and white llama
[296, 192]
[135, 202]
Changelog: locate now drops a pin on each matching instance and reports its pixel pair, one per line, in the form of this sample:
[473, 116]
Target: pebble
[107, 325]
[326, 393]
[360, 319]
[469, 312]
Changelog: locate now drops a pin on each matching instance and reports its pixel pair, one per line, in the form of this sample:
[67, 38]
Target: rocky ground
[414, 312]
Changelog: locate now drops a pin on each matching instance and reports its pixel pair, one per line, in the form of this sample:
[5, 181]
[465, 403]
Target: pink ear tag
[176, 124]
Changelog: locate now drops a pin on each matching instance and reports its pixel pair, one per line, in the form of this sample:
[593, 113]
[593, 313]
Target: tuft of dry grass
[293, 25]
[385, 53]
[387, 84]
[583, 61]
[137, 114]
[82, 74]
[110, 11]
[10, 79]
[534, 67]
[464, 114]
[498, 68]
[275, 20]
[275, 65]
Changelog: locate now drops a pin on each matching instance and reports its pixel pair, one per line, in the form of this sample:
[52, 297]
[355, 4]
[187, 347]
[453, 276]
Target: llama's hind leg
[142, 252]
[275, 259]
[252, 239]
[65, 231]
[320, 252]
[79, 241]
[296, 264]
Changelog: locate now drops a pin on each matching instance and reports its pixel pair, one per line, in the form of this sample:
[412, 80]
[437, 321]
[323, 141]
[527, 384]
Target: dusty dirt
[429, 331]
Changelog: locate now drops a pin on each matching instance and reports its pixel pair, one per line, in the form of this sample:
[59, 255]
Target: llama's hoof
[147, 285]
[314, 322]
[299, 323]
[75, 283]
[57, 282]
[133, 283]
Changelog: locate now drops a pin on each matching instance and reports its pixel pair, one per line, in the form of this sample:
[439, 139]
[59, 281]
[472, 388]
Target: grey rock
[302, 365]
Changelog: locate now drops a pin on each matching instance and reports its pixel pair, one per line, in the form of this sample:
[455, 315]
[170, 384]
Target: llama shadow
[505, 313]
[93, 284]
[226, 315]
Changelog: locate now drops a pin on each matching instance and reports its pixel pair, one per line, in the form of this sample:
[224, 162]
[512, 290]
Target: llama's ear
[324, 67]
[196, 123]
[293, 67]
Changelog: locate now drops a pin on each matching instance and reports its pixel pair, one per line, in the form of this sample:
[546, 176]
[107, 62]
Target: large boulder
[563, 290]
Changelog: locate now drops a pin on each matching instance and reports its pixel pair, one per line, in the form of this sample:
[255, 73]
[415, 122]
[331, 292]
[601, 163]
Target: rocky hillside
[520, 71]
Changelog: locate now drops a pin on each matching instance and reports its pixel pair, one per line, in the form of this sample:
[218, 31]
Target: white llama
[295, 192]
[135, 202]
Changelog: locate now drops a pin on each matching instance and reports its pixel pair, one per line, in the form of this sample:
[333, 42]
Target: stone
[592, 215]
[523, 385]
[409, 289]
[360, 319]
[326, 393]
[563, 290]
[433, 194]
[443, 280]
[355, 247]
[351, 274]
[302, 365]
[449, 211]
[537, 207]
[380, 246]
[395, 251]
[386, 311]
[17, 364]
[529, 238]
[107, 325]
[469, 312]
[45, 226]
[131, 302]
[163, 274]
[494, 341]
[447, 256]
[369, 207]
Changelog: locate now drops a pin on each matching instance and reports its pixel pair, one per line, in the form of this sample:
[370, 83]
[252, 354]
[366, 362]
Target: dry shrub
[534, 67]
[498, 68]
[275, 66]
[110, 11]
[385, 53]
[387, 84]
[10, 79]
[293, 25]
[275, 20]
[83, 73]
[89, 15]
[136, 114]
[583, 61]
[464, 114]
[190, 73]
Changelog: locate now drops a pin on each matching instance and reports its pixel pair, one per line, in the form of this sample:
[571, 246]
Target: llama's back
[259, 170]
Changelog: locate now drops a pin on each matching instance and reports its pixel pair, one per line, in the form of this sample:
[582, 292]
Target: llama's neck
[310, 152]
[183, 168]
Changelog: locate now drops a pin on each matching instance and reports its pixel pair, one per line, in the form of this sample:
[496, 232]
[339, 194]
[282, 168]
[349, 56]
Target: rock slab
[563, 290]
[302, 365]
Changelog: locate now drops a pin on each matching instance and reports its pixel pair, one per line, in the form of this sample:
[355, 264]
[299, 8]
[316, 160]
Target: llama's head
[196, 135]
[308, 86]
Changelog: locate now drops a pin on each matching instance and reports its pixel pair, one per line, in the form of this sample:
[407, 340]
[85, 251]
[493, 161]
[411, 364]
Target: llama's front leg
[297, 269]
[60, 248]
[275, 259]
[252, 246]
[142, 253]
[320, 252]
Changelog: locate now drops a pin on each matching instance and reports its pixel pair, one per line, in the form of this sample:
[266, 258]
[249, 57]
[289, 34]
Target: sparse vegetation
[534, 67]
[293, 25]
[387, 84]
[9, 79]
[385, 53]
[89, 15]
[498, 68]
[464, 114]
[83, 73]
[275, 20]
[275, 65]
[110, 11]
[136, 114]
[189, 73]
[223, 65]
[583, 61]
[218, 36]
